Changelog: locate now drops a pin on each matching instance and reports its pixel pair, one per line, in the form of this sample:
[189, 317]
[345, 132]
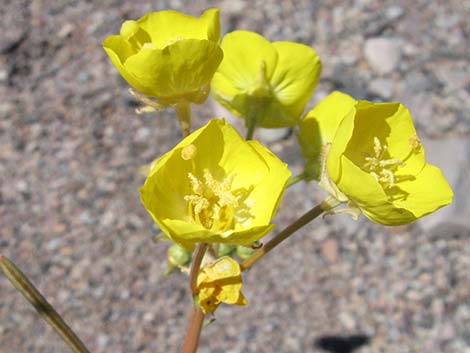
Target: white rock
[382, 54]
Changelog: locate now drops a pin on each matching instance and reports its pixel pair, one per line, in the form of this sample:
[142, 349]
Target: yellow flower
[268, 82]
[215, 187]
[220, 282]
[371, 157]
[168, 55]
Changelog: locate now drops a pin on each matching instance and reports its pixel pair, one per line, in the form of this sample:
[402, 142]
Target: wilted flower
[168, 55]
[268, 82]
[370, 155]
[215, 187]
[220, 282]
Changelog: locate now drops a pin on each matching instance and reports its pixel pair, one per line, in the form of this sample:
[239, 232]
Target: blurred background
[70, 215]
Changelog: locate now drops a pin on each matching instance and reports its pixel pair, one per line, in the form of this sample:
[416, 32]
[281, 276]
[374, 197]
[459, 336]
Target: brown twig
[286, 232]
[42, 306]
[196, 319]
[197, 259]
[193, 332]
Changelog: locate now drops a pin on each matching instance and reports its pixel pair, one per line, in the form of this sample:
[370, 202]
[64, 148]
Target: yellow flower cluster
[216, 187]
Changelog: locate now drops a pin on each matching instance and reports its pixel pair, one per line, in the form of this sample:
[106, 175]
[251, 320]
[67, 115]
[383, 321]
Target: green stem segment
[251, 129]
[42, 306]
[295, 179]
[183, 110]
[326, 205]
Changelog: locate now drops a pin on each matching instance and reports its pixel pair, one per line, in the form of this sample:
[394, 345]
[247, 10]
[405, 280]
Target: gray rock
[381, 87]
[453, 157]
[382, 54]
[394, 12]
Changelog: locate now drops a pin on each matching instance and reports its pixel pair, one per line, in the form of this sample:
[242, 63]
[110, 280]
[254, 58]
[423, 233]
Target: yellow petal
[218, 282]
[118, 51]
[243, 53]
[179, 70]
[365, 192]
[273, 183]
[428, 192]
[338, 145]
[223, 268]
[296, 75]
[164, 26]
[319, 126]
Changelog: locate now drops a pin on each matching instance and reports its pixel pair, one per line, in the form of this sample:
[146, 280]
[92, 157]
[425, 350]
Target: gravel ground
[70, 215]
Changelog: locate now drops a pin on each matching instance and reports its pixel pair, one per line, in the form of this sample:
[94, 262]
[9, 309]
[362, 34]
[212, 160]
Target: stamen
[212, 203]
[150, 104]
[414, 142]
[379, 167]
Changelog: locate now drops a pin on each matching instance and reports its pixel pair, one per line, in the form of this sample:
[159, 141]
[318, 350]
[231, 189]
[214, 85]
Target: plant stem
[183, 110]
[196, 319]
[295, 179]
[193, 332]
[42, 306]
[251, 125]
[326, 205]
[197, 259]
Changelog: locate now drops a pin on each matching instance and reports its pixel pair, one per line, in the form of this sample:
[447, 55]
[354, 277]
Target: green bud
[178, 256]
[225, 250]
[244, 252]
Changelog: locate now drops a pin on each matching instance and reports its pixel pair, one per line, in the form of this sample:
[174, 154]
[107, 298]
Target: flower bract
[220, 282]
[371, 156]
[215, 187]
[168, 55]
[268, 82]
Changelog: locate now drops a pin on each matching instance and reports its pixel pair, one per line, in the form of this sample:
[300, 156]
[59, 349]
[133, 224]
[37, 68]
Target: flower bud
[178, 256]
[225, 250]
[244, 252]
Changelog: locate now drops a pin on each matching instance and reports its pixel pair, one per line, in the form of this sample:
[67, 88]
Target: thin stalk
[326, 205]
[42, 306]
[251, 129]
[193, 332]
[295, 179]
[197, 259]
[183, 110]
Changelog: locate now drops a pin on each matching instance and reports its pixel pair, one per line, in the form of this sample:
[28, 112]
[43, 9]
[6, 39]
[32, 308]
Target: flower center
[381, 168]
[212, 203]
[262, 88]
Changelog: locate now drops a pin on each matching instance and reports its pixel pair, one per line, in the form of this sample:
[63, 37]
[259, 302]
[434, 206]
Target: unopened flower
[215, 187]
[371, 157]
[178, 256]
[268, 82]
[168, 55]
[220, 282]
